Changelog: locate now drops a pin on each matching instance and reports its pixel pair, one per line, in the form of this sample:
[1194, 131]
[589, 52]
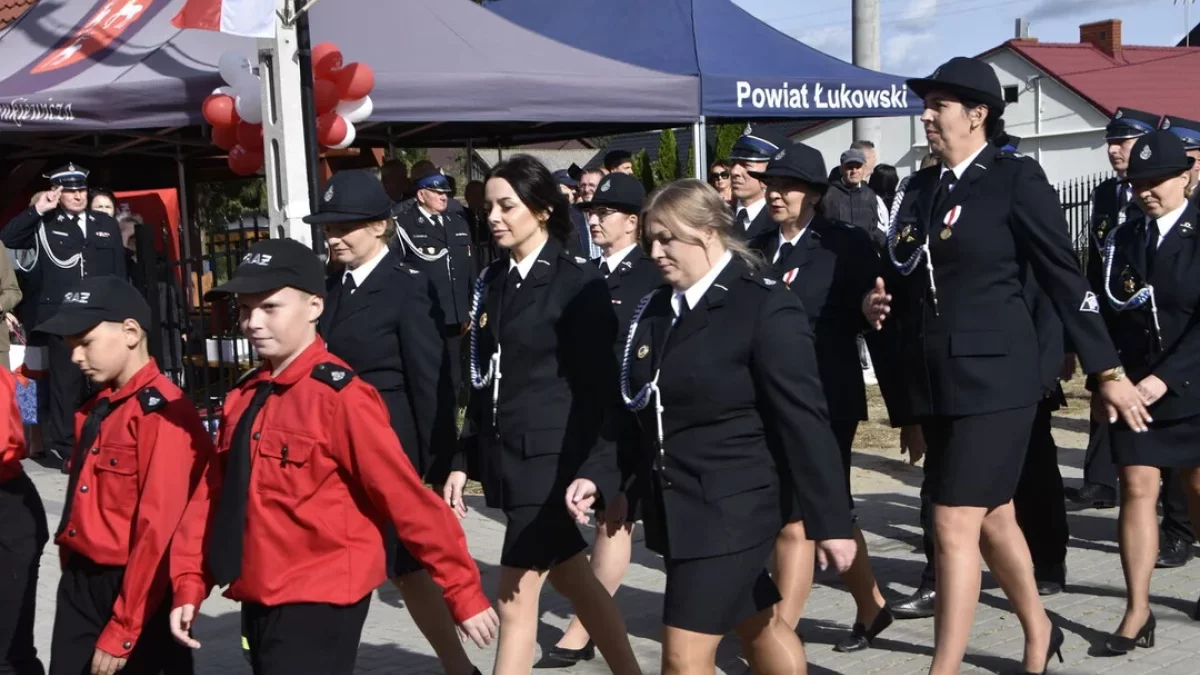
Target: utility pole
[865, 21]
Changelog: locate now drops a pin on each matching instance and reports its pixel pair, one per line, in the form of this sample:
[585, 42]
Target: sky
[918, 35]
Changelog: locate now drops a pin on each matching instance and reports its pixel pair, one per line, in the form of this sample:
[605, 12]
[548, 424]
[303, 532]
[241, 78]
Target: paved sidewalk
[888, 512]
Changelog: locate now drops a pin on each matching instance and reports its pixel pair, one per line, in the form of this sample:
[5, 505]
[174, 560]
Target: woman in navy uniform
[380, 319]
[1152, 281]
[959, 241]
[543, 411]
[613, 218]
[734, 420]
[829, 266]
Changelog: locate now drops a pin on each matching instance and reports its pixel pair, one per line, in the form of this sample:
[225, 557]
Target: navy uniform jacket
[977, 351]
[390, 334]
[762, 224]
[635, 277]
[453, 275]
[103, 255]
[556, 417]
[744, 421]
[1176, 282]
[1105, 216]
[834, 265]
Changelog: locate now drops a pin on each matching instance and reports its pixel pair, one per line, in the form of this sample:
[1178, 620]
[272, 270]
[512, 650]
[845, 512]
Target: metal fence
[1075, 197]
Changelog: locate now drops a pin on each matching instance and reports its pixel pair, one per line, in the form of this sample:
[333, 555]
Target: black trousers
[67, 386]
[23, 535]
[1176, 524]
[86, 595]
[1098, 465]
[308, 638]
[1038, 501]
[452, 334]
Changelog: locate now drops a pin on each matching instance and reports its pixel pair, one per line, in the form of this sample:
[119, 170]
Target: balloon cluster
[341, 93]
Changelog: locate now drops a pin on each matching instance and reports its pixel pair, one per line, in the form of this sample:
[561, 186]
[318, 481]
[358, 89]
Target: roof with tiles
[11, 10]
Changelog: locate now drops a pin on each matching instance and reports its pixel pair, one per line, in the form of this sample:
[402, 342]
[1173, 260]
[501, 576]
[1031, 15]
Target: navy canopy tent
[746, 67]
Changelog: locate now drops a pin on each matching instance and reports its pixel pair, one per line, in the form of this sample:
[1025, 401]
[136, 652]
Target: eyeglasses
[719, 175]
[602, 213]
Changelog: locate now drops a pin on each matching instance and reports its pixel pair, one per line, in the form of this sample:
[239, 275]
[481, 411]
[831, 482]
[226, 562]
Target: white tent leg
[700, 148]
[283, 132]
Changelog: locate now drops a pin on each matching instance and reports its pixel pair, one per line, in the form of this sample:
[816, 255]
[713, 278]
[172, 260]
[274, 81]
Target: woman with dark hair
[542, 413]
[883, 181]
[960, 241]
[734, 426]
[102, 200]
[720, 178]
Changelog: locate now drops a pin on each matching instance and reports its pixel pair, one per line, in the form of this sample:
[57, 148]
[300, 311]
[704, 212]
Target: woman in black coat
[543, 411]
[829, 266]
[379, 317]
[735, 424]
[960, 240]
[1151, 276]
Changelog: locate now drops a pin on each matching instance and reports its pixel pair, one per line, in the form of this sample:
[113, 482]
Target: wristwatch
[1113, 375]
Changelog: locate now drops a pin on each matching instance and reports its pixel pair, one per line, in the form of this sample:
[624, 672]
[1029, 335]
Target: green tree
[689, 171]
[643, 170]
[218, 204]
[666, 167]
[727, 135]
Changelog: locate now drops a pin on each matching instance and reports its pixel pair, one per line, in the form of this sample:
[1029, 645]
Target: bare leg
[1007, 555]
[610, 560]
[518, 609]
[423, 598]
[772, 646]
[597, 611]
[688, 653]
[792, 571]
[957, 530]
[1138, 535]
[861, 582]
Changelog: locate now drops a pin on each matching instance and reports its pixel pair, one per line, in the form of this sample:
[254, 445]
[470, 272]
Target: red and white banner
[248, 18]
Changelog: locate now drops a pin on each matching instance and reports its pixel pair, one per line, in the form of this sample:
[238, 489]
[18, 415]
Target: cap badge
[1119, 115]
[643, 351]
[1146, 153]
[606, 186]
[260, 259]
[748, 130]
[780, 155]
[483, 320]
[77, 297]
[329, 194]
[1166, 123]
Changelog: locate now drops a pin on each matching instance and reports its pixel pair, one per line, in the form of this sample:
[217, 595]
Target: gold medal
[1129, 285]
[643, 351]
[431, 250]
[946, 233]
[483, 320]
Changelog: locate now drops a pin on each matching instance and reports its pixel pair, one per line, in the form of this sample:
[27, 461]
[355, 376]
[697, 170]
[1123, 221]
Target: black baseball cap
[1130, 123]
[618, 191]
[968, 78]
[1187, 130]
[272, 264]
[1158, 154]
[799, 162]
[352, 197]
[756, 145]
[93, 301]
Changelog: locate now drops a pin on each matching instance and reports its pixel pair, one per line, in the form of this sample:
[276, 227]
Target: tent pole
[700, 147]
[470, 159]
[185, 243]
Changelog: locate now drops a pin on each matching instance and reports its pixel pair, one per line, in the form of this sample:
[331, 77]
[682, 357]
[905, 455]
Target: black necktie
[1152, 236]
[784, 250]
[604, 268]
[511, 284]
[344, 295]
[225, 543]
[91, 431]
[945, 187]
[743, 219]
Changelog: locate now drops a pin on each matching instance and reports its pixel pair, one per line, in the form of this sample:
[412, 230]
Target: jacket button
[83, 488]
[257, 435]
[112, 462]
[1187, 383]
[127, 645]
[95, 451]
[71, 532]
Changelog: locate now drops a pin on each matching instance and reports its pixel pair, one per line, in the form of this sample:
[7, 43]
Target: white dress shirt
[752, 210]
[609, 264]
[697, 290]
[360, 273]
[525, 265]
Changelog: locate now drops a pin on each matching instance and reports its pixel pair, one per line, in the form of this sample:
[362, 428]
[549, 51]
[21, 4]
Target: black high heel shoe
[1119, 644]
[1055, 649]
[861, 636]
[558, 657]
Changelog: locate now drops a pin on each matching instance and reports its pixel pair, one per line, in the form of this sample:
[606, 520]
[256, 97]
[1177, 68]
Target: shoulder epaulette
[333, 375]
[151, 400]
[1010, 154]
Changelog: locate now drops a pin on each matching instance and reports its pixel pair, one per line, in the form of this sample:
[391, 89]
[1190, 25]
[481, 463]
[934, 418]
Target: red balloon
[326, 58]
[325, 96]
[355, 80]
[250, 136]
[331, 129]
[244, 162]
[218, 110]
[225, 137]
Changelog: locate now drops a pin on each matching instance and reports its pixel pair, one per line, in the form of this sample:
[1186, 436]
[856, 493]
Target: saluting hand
[836, 553]
[181, 620]
[47, 201]
[581, 495]
[876, 304]
[481, 628]
[452, 493]
[1123, 401]
[104, 663]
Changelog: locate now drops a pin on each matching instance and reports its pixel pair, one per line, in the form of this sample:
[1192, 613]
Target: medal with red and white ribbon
[790, 276]
[951, 218]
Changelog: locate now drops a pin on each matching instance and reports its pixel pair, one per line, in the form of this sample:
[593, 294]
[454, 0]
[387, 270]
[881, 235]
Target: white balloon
[249, 108]
[355, 111]
[233, 67]
[225, 91]
[349, 139]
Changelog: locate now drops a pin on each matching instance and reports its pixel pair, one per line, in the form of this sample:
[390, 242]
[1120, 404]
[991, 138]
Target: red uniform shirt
[12, 430]
[132, 492]
[327, 474]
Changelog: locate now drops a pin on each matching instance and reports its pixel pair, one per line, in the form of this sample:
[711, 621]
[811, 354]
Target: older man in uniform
[1188, 131]
[69, 242]
[751, 153]
[437, 241]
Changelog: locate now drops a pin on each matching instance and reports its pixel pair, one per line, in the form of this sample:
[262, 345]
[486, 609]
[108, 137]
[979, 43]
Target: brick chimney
[1105, 35]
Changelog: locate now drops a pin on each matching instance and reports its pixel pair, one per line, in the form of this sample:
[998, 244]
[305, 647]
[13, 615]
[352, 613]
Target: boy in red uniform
[22, 535]
[140, 452]
[307, 472]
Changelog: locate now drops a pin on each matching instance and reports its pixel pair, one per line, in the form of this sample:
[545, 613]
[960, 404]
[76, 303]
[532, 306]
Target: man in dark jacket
[851, 201]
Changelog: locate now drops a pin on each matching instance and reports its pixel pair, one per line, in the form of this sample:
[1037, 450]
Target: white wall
[1064, 133]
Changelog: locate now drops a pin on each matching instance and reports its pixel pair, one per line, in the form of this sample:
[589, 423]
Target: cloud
[919, 13]
[833, 40]
[1055, 9]
[906, 53]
